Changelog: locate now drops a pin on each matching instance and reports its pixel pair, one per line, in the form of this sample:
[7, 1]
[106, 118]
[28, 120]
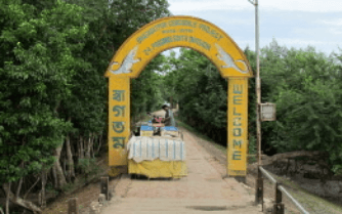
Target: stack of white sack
[150, 148]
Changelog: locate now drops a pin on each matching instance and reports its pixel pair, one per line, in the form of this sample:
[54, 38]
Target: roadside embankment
[313, 203]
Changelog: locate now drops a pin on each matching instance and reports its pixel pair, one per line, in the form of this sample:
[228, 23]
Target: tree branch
[20, 181]
[19, 201]
[270, 160]
[29, 190]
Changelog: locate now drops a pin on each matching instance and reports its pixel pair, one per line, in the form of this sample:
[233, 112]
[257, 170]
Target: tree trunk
[81, 148]
[29, 190]
[84, 146]
[57, 165]
[17, 200]
[100, 144]
[7, 196]
[55, 179]
[64, 163]
[92, 145]
[20, 181]
[40, 198]
[43, 199]
[19, 187]
[87, 147]
[71, 169]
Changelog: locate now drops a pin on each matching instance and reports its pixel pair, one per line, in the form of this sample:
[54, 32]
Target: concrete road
[203, 190]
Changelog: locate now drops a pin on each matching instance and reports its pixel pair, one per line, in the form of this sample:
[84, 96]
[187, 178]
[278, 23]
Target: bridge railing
[278, 206]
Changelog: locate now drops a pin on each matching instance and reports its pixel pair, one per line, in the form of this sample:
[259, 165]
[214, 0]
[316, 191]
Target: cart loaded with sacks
[156, 151]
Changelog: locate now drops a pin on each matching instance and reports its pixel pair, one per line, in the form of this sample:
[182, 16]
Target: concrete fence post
[105, 187]
[73, 206]
[278, 207]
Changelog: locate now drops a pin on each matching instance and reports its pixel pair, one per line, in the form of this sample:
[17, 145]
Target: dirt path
[203, 189]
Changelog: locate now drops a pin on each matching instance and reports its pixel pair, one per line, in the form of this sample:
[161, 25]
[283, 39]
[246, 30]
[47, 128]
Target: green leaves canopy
[38, 47]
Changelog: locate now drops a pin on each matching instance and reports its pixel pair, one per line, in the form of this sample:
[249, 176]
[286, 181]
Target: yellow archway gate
[179, 31]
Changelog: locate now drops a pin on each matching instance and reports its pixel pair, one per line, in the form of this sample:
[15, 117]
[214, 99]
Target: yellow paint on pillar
[237, 126]
[118, 120]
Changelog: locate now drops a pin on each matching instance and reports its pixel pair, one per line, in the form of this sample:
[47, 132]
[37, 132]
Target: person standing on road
[167, 119]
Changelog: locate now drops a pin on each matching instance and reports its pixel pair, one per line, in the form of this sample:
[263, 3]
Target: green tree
[53, 96]
[38, 46]
[306, 87]
[304, 84]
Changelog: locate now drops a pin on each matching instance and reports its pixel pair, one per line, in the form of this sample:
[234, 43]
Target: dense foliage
[38, 60]
[307, 88]
[53, 95]
[305, 85]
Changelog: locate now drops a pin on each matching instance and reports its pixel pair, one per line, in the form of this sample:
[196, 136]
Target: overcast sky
[293, 23]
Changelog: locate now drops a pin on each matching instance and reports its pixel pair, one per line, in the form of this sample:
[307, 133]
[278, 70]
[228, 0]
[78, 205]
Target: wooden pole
[258, 98]
[259, 187]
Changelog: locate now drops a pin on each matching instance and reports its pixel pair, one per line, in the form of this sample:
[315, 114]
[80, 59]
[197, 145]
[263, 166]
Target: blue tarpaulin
[146, 128]
[169, 128]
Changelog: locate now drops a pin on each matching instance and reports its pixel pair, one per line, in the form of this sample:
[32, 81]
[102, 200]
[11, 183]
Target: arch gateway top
[179, 31]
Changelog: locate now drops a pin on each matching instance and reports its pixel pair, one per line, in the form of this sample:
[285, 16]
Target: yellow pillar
[118, 120]
[237, 128]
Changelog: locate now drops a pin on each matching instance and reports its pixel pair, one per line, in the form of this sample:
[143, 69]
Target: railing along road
[278, 207]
